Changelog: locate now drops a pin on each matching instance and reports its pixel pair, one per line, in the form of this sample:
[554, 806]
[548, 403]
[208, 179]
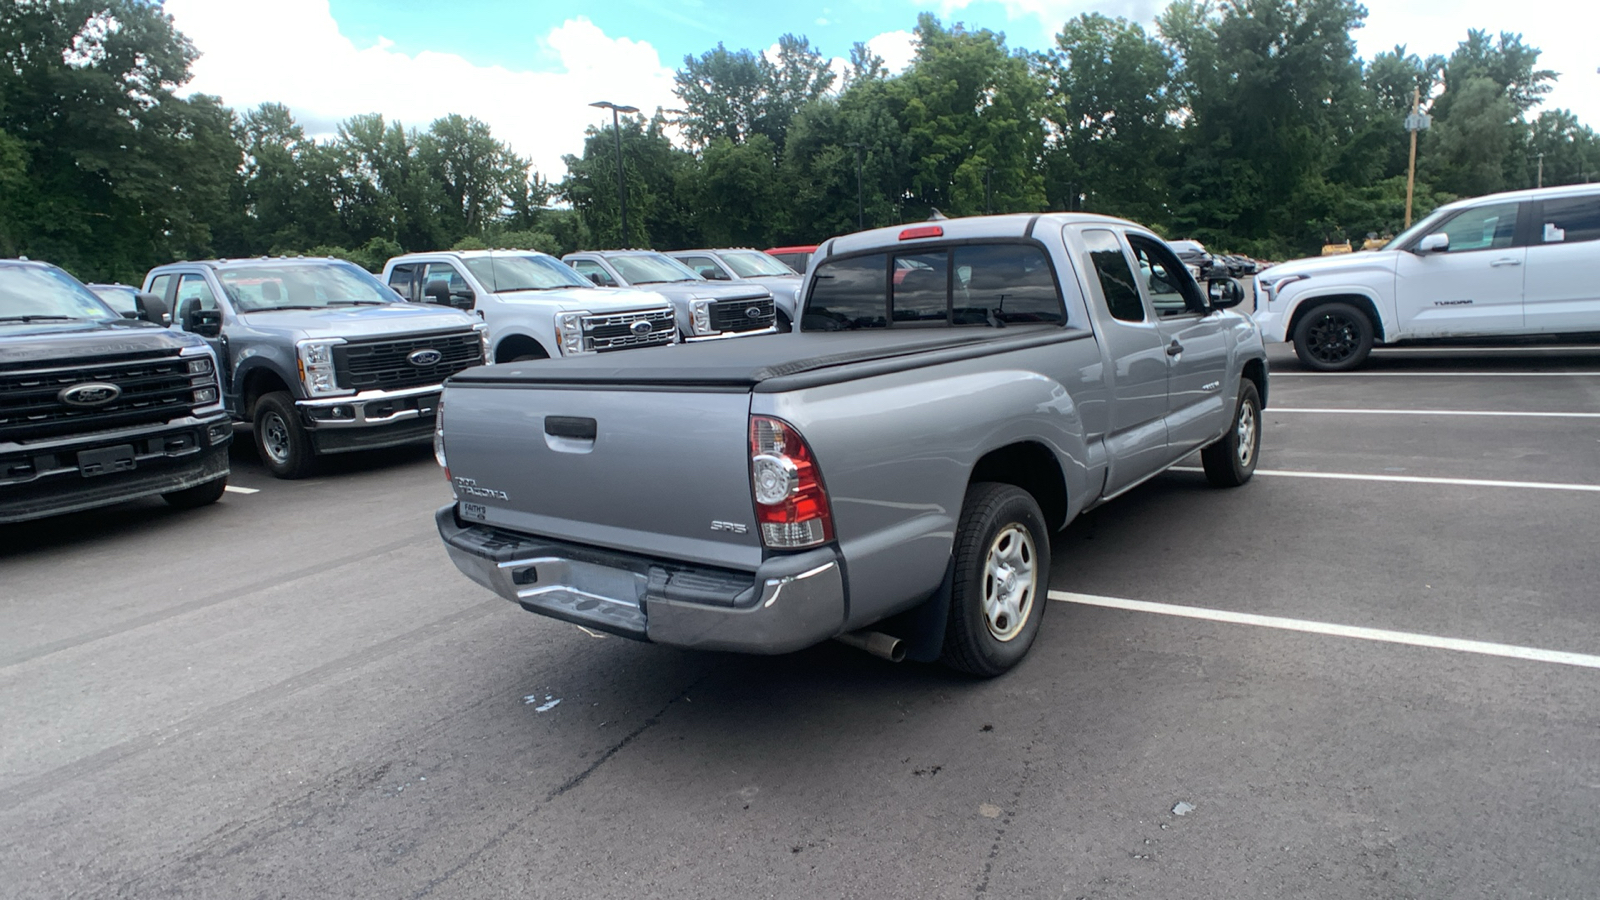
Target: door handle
[1174, 348]
[1505, 262]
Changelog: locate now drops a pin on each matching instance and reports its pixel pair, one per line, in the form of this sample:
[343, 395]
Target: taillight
[791, 503]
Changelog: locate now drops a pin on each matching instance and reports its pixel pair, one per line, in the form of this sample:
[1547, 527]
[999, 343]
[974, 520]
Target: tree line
[1253, 126]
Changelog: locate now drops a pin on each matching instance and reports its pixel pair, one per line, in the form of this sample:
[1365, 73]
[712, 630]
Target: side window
[1568, 221]
[160, 286]
[1172, 291]
[1010, 283]
[1116, 276]
[400, 279]
[445, 274]
[920, 287]
[847, 294]
[1492, 227]
[594, 272]
[705, 267]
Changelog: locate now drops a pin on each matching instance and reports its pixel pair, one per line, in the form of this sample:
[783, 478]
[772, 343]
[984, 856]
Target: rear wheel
[1002, 567]
[283, 443]
[1231, 460]
[197, 496]
[1334, 337]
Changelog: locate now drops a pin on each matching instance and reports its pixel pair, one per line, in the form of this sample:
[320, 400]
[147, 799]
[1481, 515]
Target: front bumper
[789, 603]
[725, 335]
[371, 419]
[78, 472]
[1274, 325]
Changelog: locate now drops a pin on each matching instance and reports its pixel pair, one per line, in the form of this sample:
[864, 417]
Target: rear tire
[1002, 568]
[1231, 459]
[283, 443]
[197, 496]
[1334, 337]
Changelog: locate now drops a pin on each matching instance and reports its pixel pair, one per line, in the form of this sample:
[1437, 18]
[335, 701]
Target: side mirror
[597, 278]
[205, 322]
[1434, 243]
[437, 292]
[1224, 293]
[463, 301]
[151, 308]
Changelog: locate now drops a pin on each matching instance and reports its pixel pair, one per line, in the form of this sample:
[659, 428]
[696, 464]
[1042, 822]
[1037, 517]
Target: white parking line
[1436, 374]
[239, 490]
[1416, 479]
[1434, 412]
[1485, 648]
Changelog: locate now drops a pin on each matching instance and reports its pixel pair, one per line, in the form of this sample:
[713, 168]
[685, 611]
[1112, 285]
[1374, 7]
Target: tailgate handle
[570, 427]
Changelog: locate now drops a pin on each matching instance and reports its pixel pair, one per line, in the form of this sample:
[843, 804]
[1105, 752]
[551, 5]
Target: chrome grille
[734, 315]
[154, 389]
[384, 365]
[615, 331]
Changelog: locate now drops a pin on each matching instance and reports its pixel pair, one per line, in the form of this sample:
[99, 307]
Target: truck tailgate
[655, 472]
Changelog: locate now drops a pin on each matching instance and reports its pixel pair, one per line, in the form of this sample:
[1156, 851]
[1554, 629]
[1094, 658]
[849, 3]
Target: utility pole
[861, 221]
[622, 189]
[1414, 123]
[1541, 170]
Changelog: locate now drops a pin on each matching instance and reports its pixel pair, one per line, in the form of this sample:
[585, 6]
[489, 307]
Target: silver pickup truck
[889, 475]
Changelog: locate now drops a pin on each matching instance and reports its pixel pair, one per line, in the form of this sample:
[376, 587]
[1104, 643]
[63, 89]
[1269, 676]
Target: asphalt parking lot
[1372, 672]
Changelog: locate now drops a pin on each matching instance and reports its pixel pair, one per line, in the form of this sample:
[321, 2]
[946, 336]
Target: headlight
[1274, 285]
[201, 366]
[316, 367]
[569, 332]
[700, 316]
[483, 344]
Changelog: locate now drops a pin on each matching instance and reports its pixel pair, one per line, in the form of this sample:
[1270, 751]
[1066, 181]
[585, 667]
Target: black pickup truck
[98, 407]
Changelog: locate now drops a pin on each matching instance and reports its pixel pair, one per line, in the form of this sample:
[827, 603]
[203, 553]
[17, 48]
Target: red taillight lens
[791, 503]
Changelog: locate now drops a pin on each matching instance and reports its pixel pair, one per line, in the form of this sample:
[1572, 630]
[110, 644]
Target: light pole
[622, 190]
[861, 221]
[1541, 170]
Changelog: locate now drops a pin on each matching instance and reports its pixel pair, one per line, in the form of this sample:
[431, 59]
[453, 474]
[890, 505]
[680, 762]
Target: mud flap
[922, 626]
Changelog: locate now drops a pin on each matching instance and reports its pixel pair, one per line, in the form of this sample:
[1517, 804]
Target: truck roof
[971, 227]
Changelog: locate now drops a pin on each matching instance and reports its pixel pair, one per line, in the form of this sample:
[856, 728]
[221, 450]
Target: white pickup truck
[536, 306]
[1509, 265]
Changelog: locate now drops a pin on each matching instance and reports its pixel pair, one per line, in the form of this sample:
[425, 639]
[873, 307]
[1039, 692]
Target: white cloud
[292, 52]
[897, 48]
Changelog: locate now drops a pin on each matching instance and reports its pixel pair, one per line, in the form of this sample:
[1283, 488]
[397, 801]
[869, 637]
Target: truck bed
[775, 364]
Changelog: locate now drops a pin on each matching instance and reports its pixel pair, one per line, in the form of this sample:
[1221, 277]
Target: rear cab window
[967, 284]
[1568, 220]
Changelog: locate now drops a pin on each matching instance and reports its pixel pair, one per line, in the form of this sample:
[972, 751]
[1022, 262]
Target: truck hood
[684, 291]
[32, 342]
[601, 300]
[1343, 264]
[360, 321]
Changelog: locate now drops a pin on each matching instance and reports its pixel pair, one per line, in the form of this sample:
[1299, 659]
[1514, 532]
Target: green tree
[1113, 114]
[659, 178]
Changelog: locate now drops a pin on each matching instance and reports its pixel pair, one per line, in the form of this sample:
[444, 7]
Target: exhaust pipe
[883, 646]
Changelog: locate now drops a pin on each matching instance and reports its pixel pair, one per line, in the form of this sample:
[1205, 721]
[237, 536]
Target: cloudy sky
[530, 67]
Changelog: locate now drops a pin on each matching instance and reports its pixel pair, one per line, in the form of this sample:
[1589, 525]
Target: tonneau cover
[750, 362]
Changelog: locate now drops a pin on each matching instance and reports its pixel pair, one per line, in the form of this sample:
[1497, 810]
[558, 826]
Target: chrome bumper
[407, 403]
[789, 603]
[770, 329]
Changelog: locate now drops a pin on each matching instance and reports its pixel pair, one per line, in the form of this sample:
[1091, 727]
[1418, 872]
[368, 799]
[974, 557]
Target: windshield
[29, 293]
[1423, 226]
[753, 263]
[652, 269]
[519, 272]
[302, 285]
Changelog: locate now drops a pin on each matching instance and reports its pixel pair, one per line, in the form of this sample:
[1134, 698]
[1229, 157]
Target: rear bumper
[47, 478]
[789, 603]
[371, 419]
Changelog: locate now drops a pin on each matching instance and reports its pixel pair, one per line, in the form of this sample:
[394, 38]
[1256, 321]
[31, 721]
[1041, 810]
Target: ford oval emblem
[96, 393]
[640, 327]
[427, 357]
[753, 312]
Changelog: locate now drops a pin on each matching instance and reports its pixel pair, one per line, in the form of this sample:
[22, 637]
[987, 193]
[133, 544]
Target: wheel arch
[1363, 302]
[517, 344]
[1032, 467]
[257, 382]
[1256, 371]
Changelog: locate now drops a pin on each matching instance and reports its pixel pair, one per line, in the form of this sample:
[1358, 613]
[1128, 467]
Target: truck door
[1196, 344]
[1563, 292]
[1472, 287]
[1136, 440]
